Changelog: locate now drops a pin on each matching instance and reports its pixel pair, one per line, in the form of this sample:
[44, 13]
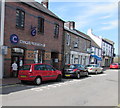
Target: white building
[96, 48]
[107, 52]
[104, 53]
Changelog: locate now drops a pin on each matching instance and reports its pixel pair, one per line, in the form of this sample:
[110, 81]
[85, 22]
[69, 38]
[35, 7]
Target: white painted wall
[97, 39]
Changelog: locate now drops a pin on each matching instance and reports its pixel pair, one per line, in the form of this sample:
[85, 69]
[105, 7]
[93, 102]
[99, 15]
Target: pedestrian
[14, 69]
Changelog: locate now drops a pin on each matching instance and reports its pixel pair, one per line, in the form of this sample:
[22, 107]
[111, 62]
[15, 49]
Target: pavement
[12, 81]
[9, 81]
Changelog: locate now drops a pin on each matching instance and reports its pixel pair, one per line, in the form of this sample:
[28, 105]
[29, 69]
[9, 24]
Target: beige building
[75, 46]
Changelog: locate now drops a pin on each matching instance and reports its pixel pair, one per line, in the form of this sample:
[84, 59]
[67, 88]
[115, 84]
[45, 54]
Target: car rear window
[70, 67]
[114, 64]
[25, 67]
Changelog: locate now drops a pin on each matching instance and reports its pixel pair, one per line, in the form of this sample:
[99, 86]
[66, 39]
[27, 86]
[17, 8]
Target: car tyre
[38, 81]
[78, 75]
[87, 74]
[59, 78]
[23, 82]
[96, 72]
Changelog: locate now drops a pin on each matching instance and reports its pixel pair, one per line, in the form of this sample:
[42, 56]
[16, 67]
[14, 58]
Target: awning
[96, 57]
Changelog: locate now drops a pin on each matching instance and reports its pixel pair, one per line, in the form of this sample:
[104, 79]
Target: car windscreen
[70, 67]
[89, 66]
[25, 67]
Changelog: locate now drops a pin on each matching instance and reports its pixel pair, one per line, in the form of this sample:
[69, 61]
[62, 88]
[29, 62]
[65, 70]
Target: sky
[99, 15]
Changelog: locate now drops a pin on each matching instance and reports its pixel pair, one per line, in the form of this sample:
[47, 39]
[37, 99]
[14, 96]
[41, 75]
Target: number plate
[67, 75]
[23, 76]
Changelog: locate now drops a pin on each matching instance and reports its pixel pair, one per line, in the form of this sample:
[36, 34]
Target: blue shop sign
[14, 39]
[33, 32]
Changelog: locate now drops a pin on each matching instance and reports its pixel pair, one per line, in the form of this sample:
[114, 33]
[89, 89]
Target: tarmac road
[95, 90]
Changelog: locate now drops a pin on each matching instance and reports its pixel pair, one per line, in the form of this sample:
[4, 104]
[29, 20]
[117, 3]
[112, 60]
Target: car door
[40, 70]
[51, 72]
[98, 68]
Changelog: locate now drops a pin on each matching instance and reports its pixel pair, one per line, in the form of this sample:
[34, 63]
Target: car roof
[73, 64]
[92, 64]
[37, 64]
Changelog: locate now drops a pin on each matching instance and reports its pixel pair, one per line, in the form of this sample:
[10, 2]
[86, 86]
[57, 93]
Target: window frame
[20, 20]
[56, 30]
[41, 24]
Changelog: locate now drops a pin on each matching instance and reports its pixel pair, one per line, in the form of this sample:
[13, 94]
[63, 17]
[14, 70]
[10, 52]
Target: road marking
[98, 75]
[11, 85]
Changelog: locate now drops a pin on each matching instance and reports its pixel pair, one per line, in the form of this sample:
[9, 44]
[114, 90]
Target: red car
[115, 66]
[38, 73]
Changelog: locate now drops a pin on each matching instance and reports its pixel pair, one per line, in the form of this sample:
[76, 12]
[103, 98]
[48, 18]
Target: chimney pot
[45, 3]
[70, 25]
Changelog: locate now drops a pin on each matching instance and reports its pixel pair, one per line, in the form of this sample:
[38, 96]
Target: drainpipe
[2, 38]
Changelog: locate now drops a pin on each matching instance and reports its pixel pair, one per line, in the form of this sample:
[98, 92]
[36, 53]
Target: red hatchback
[115, 66]
[38, 73]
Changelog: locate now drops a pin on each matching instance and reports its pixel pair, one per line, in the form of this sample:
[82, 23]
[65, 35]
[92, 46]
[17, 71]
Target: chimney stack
[70, 25]
[45, 3]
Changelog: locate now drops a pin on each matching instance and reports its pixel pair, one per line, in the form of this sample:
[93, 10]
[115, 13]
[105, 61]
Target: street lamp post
[2, 17]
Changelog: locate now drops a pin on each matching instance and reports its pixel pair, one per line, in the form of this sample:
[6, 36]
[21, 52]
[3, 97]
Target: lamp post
[2, 17]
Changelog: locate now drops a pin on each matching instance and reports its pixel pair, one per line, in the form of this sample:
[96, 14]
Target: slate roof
[39, 7]
[87, 36]
[109, 41]
[76, 33]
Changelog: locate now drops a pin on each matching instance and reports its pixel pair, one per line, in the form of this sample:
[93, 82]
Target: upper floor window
[68, 39]
[75, 44]
[40, 25]
[56, 30]
[20, 18]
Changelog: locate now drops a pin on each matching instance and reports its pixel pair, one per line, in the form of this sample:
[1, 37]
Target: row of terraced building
[31, 33]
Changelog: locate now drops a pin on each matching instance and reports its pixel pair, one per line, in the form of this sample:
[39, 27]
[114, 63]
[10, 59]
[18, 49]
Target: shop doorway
[55, 60]
[17, 56]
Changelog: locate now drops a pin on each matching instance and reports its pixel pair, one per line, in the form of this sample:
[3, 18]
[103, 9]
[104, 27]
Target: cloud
[110, 25]
[95, 11]
[105, 17]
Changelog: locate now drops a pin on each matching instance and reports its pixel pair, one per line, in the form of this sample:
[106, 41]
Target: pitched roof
[39, 7]
[87, 36]
[109, 41]
[76, 33]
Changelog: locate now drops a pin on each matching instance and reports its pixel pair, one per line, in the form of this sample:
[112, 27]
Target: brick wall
[31, 14]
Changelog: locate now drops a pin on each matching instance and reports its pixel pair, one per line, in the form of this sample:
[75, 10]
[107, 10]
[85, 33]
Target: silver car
[94, 68]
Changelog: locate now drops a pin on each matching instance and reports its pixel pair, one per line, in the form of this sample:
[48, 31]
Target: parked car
[115, 66]
[94, 68]
[38, 73]
[74, 70]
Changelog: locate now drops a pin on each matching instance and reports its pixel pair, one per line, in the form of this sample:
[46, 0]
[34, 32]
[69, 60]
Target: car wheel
[96, 72]
[23, 82]
[59, 78]
[38, 81]
[78, 75]
[101, 71]
[87, 74]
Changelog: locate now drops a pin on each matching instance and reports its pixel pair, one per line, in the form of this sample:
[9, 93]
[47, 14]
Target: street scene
[94, 90]
[59, 53]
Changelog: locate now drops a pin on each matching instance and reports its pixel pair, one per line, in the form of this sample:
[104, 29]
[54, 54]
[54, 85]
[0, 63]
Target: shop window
[20, 18]
[56, 30]
[40, 25]
[39, 56]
